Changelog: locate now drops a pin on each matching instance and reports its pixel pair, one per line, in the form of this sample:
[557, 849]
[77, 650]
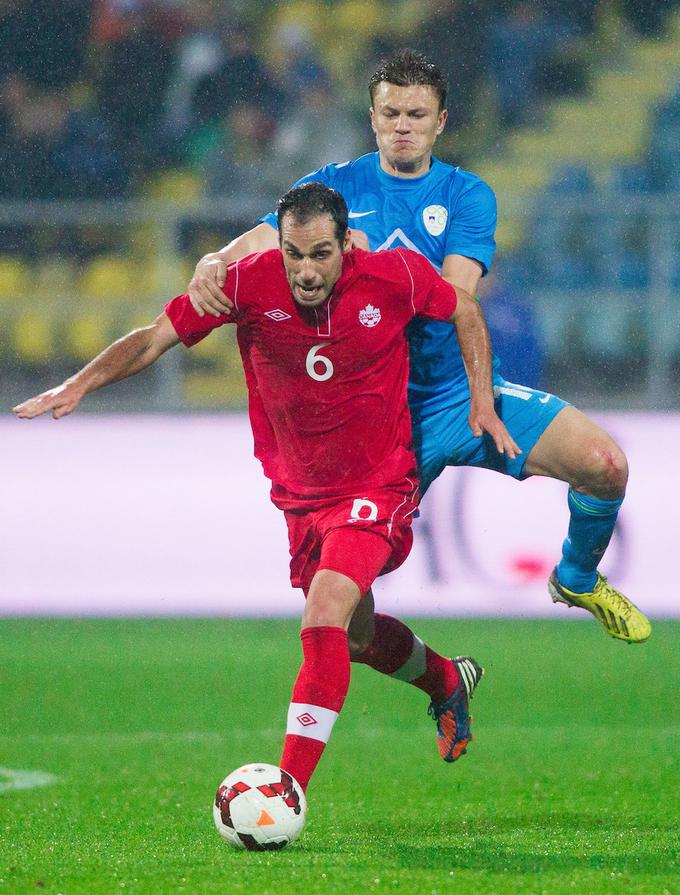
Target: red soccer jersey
[327, 385]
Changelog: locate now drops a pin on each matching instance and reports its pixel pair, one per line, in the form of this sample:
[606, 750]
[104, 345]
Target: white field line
[12, 778]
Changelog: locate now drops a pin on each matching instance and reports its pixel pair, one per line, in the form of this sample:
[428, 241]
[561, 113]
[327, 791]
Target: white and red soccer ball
[259, 807]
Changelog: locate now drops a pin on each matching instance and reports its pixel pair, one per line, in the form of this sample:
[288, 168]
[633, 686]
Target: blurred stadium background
[135, 135]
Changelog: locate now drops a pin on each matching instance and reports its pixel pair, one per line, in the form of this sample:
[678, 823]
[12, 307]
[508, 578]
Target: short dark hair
[406, 68]
[312, 199]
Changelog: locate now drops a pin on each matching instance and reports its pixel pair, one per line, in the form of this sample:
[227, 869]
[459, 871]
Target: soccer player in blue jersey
[402, 195]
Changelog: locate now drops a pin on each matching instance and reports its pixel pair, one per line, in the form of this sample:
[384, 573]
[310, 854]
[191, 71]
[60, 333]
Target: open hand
[61, 400]
[486, 419]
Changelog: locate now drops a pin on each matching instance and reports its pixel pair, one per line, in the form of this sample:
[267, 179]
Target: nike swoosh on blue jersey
[359, 214]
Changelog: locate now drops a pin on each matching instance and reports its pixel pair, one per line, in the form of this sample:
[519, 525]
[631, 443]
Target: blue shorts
[442, 434]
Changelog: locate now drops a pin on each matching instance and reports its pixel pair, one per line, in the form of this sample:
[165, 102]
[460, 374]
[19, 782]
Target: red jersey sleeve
[431, 296]
[189, 325]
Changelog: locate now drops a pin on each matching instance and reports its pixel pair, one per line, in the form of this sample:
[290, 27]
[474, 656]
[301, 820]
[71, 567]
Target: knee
[360, 633]
[358, 643]
[606, 470]
[331, 600]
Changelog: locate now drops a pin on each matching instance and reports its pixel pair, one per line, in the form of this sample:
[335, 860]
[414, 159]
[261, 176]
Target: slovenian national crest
[434, 218]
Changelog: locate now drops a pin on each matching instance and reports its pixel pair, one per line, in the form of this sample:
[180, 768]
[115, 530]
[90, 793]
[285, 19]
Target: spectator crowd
[97, 95]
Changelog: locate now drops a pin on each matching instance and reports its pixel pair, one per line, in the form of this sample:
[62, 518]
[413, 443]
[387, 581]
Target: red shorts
[361, 537]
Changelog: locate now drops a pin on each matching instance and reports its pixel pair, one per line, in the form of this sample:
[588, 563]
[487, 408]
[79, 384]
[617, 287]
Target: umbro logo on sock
[306, 720]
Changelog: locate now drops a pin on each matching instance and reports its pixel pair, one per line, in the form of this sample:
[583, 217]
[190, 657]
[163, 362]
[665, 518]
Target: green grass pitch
[571, 784]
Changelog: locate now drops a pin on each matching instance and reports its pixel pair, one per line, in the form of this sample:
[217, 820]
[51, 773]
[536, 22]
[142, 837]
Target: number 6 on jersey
[313, 359]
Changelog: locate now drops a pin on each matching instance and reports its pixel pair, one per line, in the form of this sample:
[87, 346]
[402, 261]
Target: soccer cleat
[619, 617]
[452, 716]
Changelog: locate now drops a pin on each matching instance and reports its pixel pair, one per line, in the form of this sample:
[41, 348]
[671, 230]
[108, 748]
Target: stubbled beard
[406, 167]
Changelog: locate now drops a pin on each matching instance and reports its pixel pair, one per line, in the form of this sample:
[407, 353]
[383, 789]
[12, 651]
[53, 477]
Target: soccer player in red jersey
[321, 330]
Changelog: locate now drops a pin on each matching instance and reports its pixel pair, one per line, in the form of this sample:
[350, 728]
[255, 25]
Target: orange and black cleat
[453, 716]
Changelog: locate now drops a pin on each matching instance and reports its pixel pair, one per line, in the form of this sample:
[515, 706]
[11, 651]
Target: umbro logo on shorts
[277, 315]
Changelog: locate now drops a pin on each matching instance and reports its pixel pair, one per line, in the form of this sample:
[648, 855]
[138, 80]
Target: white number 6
[313, 359]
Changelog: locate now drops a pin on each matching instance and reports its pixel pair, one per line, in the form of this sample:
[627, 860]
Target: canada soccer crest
[370, 316]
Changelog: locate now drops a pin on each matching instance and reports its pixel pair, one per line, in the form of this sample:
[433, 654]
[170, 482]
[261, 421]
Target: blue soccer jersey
[447, 211]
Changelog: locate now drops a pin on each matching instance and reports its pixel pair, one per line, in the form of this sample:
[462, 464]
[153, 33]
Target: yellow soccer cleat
[619, 617]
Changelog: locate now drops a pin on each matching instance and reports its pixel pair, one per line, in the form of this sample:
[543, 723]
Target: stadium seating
[85, 336]
[177, 185]
[603, 130]
[14, 277]
[55, 276]
[33, 338]
[108, 277]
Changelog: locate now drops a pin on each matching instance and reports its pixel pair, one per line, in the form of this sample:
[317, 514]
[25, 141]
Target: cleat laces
[622, 605]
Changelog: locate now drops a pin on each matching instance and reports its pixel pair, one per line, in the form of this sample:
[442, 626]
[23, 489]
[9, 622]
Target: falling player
[321, 330]
[402, 196]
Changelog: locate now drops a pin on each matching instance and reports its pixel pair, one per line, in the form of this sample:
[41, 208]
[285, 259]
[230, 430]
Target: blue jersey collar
[390, 181]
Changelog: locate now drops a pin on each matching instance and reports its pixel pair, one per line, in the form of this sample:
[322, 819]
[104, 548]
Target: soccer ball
[259, 807]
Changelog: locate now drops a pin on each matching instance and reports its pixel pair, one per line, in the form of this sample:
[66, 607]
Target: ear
[347, 244]
[441, 122]
[371, 115]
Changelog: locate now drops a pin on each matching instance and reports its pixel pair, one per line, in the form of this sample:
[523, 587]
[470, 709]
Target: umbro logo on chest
[277, 315]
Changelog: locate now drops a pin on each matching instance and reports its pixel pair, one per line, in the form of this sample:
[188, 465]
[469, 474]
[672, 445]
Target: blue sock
[590, 530]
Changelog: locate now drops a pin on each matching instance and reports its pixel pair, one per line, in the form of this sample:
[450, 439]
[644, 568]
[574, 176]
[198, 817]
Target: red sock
[318, 695]
[397, 652]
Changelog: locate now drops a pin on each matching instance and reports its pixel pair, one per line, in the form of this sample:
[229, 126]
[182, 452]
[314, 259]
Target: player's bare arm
[205, 288]
[127, 356]
[475, 347]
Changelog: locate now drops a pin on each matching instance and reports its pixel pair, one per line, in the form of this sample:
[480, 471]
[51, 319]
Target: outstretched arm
[125, 357]
[475, 346]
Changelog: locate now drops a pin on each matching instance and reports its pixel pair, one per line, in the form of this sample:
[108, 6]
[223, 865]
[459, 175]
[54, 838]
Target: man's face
[312, 257]
[406, 121]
